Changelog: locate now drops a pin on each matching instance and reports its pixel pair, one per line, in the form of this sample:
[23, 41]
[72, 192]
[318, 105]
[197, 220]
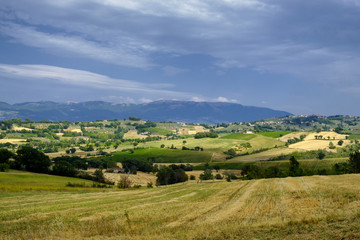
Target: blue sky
[293, 55]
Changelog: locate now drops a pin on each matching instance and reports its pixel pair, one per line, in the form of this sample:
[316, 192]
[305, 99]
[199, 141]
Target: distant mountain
[176, 111]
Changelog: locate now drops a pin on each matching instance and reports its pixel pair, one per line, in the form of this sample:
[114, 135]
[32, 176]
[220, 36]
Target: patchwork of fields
[317, 207]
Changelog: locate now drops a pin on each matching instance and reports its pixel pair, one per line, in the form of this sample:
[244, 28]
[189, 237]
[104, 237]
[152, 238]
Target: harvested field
[325, 135]
[317, 207]
[316, 144]
[12, 140]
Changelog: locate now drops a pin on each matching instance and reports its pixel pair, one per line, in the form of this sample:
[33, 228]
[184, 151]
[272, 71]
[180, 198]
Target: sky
[293, 55]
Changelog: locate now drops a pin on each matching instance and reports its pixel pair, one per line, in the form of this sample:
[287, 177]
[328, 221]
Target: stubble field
[317, 207]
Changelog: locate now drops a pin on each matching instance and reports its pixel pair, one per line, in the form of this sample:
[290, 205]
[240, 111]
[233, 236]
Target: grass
[274, 134]
[164, 155]
[240, 136]
[354, 136]
[15, 181]
[159, 131]
[317, 207]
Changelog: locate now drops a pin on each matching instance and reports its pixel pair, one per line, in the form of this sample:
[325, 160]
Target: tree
[32, 160]
[331, 145]
[340, 142]
[321, 155]
[354, 162]
[64, 168]
[207, 175]
[5, 155]
[294, 167]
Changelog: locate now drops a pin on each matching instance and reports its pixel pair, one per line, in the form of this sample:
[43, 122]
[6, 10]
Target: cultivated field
[317, 207]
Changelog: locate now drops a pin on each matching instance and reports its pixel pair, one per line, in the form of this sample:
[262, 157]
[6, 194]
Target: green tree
[294, 169]
[32, 160]
[354, 162]
[5, 155]
[64, 168]
[207, 175]
[321, 155]
[340, 142]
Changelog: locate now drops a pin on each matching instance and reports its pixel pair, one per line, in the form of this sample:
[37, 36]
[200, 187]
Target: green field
[217, 144]
[317, 207]
[164, 155]
[354, 136]
[159, 131]
[15, 181]
[274, 134]
[240, 136]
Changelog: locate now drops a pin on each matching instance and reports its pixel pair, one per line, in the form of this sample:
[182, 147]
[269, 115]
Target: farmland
[317, 207]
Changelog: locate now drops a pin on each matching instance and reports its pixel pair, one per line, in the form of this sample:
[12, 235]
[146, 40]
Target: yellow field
[21, 128]
[132, 134]
[332, 135]
[292, 135]
[317, 207]
[12, 140]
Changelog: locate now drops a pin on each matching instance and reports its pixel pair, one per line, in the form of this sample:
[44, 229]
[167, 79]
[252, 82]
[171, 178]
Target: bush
[218, 176]
[167, 175]
[4, 167]
[192, 177]
[149, 185]
[124, 182]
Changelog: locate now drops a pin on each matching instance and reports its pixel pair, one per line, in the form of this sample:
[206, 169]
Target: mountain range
[176, 111]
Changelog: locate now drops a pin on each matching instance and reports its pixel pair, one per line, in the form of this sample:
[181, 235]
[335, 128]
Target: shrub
[149, 185]
[4, 167]
[192, 177]
[124, 182]
[218, 176]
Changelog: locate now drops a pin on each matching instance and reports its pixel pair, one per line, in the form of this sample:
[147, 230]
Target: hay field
[12, 140]
[317, 207]
[332, 135]
[16, 128]
[317, 144]
[133, 134]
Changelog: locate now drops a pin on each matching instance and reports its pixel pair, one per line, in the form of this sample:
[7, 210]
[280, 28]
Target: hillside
[317, 207]
[176, 111]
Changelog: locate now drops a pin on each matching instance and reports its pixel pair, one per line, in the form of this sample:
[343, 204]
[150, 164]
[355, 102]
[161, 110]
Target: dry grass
[318, 207]
[12, 140]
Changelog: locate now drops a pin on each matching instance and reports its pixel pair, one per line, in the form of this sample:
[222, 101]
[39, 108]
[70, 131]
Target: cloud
[312, 40]
[224, 99]
[82, 78]
[74, 46]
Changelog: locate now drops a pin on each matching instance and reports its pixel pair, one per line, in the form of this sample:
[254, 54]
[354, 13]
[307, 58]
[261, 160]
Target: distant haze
[175, 111]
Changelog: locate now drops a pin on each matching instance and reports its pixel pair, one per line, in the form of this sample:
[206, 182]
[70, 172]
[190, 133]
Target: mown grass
[164, 155]
[274, 134]
[17, 181]
[317, 207]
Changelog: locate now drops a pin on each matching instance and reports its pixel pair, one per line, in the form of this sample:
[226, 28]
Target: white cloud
[81, 78]
[224, 99]
[74, 46]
